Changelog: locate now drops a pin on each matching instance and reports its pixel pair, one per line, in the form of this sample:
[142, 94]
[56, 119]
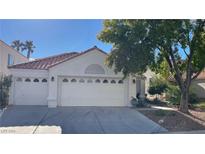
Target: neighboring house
[72, 79]
[9, 56]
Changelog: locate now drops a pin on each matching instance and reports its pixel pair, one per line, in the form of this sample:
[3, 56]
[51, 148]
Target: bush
[138, 102]
[5, 83]
[173, 95]
[157, 86]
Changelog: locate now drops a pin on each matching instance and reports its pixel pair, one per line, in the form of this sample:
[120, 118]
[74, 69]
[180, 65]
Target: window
[89, 81]
[35, 80]
[133, 81]
[10, 60]
[97, 81]
[94, 69]
[44, 80]
[52, 79]
[120, 82]
[73, 80]
[81, 80]
[19, 79]
[113, 81]
[105, 81]
[65, 80]
[27, 80]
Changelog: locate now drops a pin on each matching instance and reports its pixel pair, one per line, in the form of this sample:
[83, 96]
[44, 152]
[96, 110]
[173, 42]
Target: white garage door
[30, 91]
[91, 92]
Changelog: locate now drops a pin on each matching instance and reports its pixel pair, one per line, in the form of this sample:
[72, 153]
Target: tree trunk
[28, 54]
[184, 101]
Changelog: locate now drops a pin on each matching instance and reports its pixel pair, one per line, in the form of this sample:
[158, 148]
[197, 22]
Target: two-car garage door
[91, 92]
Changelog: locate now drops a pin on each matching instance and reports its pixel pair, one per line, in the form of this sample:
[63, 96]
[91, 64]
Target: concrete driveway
[82, 120]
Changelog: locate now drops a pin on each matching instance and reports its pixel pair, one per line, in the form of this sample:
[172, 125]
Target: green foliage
[17, 44]
[157, 86]
[168, 47]
[200, 105]
[22, 46]
[5, 83]
[29, 46]
[173, 94]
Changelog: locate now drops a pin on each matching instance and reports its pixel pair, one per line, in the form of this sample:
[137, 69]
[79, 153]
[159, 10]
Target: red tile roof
[46, 63]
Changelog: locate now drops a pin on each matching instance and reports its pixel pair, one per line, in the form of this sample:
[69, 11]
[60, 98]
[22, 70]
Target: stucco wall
[148, 75]
[76, 67]
[4, 51]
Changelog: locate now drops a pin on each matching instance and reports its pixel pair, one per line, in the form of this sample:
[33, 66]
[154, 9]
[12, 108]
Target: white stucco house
[72, 79]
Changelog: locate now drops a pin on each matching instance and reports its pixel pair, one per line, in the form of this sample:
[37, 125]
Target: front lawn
[175, 121]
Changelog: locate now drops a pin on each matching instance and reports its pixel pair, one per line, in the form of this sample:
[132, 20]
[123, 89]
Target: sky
[53, 37]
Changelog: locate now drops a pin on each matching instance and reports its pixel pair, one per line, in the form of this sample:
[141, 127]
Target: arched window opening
[44, 80]
[36, 80]
[27, 80]
[120, 82]
[105, 81]
[73, 80]
[113, 82]
[65, 80]
[94, 69]
[97, 81]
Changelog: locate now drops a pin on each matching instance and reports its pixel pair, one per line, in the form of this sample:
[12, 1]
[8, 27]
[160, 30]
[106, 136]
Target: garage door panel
[30, 93]
[92, 94]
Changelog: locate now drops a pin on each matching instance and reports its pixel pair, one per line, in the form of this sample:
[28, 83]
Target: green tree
[17, 44]
[139, 44]
[28, 46]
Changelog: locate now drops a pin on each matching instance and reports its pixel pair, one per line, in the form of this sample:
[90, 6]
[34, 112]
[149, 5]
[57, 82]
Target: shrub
[5, 83]
[138, 102]
[157, 86]
[173, 95]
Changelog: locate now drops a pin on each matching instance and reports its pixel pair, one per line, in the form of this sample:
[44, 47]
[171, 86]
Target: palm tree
[28, 45]
[17, 44]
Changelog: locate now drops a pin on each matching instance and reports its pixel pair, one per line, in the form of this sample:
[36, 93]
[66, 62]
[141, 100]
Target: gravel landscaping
[175, 121]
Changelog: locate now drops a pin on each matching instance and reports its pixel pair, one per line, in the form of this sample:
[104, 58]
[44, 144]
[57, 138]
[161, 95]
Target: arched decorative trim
[113, 81]
[89, 81]
[94, 69]
[105, 81]
[81, 80]
[36, 80]
[73, 80]
[19, 79]
[27, 80]
[97, 81]
[65, 80]
[120, 81]
[44, 80]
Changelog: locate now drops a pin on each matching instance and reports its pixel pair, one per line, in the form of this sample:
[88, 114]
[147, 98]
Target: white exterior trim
[74, 68]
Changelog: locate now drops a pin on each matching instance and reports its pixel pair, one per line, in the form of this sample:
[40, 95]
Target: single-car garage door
[30, 91]
[92, 92]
